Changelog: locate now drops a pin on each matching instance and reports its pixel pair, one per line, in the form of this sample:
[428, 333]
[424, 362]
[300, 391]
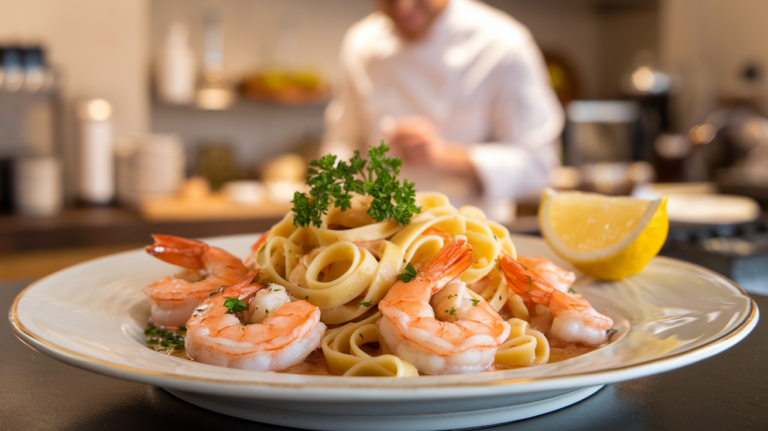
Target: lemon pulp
[585, 223]
[604, 237]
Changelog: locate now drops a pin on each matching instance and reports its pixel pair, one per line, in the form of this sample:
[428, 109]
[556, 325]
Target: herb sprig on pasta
[334, 183]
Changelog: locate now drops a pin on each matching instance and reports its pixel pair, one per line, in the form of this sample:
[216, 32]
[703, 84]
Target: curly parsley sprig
[333, 183]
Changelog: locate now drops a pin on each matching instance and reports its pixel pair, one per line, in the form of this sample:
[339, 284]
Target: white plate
[672, 314]
[712, 209]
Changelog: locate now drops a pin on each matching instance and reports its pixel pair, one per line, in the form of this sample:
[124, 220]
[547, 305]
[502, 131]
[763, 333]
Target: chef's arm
[526, 126]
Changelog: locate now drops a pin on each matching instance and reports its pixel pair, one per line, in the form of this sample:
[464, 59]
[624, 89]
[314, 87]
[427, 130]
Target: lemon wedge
[605, 237]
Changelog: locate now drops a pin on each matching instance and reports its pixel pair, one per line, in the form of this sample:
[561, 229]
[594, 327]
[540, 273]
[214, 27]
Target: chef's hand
[416, 141]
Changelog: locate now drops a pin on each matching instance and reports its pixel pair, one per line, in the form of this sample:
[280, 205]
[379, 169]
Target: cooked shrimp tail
[454, 258]
[178, 251]
[574, 318]
[546, 269]
[205, 270]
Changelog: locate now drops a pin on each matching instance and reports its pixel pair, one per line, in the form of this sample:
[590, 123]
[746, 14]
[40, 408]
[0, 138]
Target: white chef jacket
[478, 76]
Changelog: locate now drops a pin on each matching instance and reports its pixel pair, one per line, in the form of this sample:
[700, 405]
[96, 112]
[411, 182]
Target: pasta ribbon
[378, 366]
[472, 212]
[284, 228]
[422, 249]
[341, 348]
[390, 259]
[305, 237]
[502, 234]
[517, 307]
[383, 366]
[524, 346]
[496, 291]
[380, 230]
[337, 274]
[277, 259]
[347, 266]
[435, 203]
[485, 250]
[452, 224]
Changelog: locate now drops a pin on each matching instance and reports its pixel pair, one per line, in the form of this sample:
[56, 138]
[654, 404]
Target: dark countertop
[727, 391]
[83, 227]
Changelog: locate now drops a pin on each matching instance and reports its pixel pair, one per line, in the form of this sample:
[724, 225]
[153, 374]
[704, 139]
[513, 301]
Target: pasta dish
[346, 291]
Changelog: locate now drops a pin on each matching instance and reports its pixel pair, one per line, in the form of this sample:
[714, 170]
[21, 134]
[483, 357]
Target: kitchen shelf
[243, 103]
[87, 227]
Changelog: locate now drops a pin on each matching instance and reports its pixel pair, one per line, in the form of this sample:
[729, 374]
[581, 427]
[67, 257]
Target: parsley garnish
[408, 274]
[474, 302]
[166, 340]
[495, 237]
[610, 332]
[530, 285]
[234, 304]
[451, 311]
[334, 183]
[571, 290]
[364, 304]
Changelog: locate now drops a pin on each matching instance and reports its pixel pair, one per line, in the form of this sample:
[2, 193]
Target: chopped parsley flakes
[408, 274]
[234, 304]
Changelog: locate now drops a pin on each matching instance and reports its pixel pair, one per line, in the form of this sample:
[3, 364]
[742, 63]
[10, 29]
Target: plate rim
[715, 346]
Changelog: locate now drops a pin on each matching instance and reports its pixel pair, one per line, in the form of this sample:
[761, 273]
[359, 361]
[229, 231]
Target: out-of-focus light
[214, 98]
[672, 146]
[702, 134]
[643, 79]
[602, 111]
[95, 109]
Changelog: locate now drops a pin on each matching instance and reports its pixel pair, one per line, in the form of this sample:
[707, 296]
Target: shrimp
[409, 329]
[285, 337]
[559, 278]
[207, 269]
[575, 320]
[439, 232]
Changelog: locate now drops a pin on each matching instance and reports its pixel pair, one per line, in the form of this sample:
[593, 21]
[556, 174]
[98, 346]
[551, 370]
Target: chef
[459, 91]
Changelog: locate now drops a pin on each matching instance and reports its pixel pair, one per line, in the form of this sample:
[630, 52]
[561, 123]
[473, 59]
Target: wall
[706, 44]
[625, 32]
[570, 29]
[251, 28]
[99, 45]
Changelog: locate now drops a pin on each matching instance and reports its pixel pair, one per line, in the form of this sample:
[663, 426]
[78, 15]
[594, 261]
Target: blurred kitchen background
[196, 118]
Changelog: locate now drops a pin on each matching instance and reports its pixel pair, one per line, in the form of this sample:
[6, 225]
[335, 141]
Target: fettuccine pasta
[346, 266]
[365, 277]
